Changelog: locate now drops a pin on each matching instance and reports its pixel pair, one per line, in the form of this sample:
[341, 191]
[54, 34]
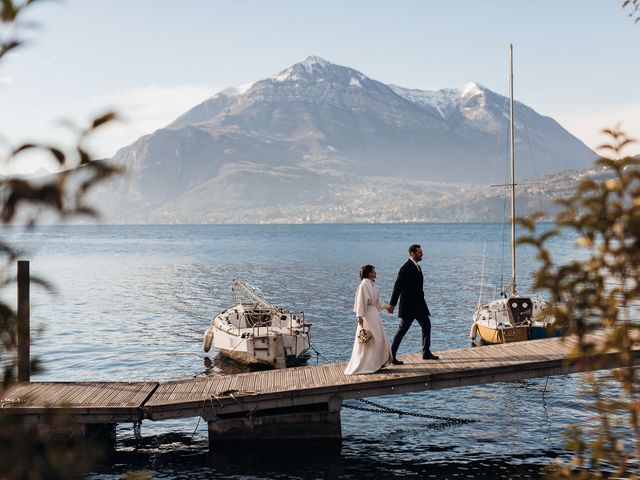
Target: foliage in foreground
[29, 451]
[600, 290]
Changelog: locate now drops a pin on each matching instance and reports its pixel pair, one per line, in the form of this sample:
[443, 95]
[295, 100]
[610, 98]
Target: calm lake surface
[132, 303]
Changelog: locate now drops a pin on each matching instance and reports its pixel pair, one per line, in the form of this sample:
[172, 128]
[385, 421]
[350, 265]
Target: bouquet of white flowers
[364, 335]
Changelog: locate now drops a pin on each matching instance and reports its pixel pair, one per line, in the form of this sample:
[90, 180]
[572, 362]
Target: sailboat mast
[513, 175]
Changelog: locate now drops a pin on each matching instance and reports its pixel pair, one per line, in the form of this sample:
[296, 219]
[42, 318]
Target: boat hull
[249, 359]
[502, 335]
[255, 332]
[244, 357]
[514, 319]
[261, 345]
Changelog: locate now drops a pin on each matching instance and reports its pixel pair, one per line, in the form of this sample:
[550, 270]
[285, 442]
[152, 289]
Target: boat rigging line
[319, 355]
[484, 254]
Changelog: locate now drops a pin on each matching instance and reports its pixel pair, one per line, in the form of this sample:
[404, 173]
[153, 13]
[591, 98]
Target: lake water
[132, 303]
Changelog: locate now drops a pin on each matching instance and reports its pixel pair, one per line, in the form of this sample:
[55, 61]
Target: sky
[577, 61]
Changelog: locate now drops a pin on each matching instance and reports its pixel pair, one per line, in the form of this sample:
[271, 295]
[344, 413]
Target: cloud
[142, 110]
[6, 80]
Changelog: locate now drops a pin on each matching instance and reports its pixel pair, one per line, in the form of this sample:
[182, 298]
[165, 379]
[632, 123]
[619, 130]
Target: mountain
[316, 132]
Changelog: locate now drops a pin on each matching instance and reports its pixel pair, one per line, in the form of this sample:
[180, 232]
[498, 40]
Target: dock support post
[100, 438]
[24, 328]
[304, 423]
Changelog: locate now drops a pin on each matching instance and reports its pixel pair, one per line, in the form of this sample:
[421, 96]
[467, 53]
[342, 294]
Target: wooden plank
[558, 348]
[224, 385]
[328, 375]
[193, 389]
[270, 379]
[42, 394]
[167, 390]
[308, 379]
[50, 394]
[256, 381]
[17, 390]
[212, 386]
[102, 397]
[199, 393]
[177, 394]
[244, 385]
[466, 366]
[252, 382]
[199, 389]
[196, 389]
[114, 396]
[289, 380]
[448, 362]
[338, 377]
[318, 378]
[80, 394]
[83, 399]
[60, 393]
[24, 394]
[132, 394]
[124, 394]
[235, 384]
[140, 392]
[533, 353]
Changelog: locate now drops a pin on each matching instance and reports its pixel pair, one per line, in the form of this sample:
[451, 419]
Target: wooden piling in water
[318, 423]
[24, 327]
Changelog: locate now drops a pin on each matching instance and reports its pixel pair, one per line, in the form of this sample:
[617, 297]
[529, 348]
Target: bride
[370, 355]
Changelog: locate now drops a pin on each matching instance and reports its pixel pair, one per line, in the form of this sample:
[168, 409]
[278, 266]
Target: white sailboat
[252, 331]
[514, 317]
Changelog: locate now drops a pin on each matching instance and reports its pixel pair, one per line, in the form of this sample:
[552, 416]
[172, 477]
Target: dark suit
[409, 289]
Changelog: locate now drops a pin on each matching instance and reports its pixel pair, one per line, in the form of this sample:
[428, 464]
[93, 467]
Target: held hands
[390, 308]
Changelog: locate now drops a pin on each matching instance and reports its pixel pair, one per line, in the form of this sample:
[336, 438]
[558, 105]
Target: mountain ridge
[315, 127]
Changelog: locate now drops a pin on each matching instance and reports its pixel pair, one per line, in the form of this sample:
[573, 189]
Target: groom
[409, 288]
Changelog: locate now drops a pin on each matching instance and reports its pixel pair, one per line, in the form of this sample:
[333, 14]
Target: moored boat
[252, 331]
[514, 317]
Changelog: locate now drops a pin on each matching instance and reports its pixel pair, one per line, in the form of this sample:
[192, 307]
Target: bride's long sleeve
[379, 303]
[361, 300]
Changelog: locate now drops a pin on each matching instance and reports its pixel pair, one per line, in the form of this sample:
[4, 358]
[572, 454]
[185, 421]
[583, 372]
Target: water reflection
[224, 365]
[284, 460]
[135, 300]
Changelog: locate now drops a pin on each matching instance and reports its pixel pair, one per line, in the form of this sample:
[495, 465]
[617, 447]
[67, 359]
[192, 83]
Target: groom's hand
[390, 308]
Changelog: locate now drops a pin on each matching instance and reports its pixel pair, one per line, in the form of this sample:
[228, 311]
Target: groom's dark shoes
[430, 356]
[395, 361]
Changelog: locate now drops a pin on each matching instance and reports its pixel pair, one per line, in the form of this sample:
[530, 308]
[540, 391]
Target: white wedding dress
[369, 357]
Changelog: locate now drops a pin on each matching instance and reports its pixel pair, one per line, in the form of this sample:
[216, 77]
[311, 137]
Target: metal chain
[447, 421]
[384, 409]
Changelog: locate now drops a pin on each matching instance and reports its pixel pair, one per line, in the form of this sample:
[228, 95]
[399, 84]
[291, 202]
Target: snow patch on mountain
[468, 100]
[236, 91]
[442, 101]
[471, 89]
[307, 67]
[354, 82]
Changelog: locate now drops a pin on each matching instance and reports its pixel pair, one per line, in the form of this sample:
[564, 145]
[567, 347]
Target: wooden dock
[276, 403]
